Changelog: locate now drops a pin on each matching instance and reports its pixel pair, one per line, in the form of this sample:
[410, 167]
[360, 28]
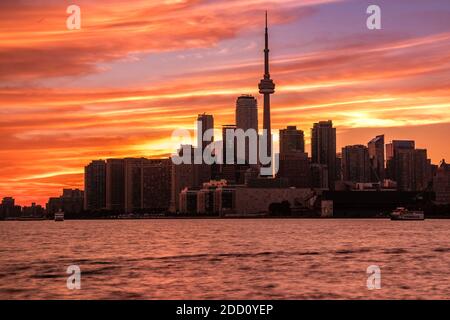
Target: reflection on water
[225, 259]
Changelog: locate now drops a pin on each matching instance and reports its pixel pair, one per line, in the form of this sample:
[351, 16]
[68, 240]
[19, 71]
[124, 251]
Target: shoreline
[222, 218]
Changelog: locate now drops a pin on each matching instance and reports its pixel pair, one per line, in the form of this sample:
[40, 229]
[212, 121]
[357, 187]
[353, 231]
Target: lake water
[225, 259]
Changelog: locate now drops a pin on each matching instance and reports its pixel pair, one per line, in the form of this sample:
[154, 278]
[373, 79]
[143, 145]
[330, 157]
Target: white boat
[405, 214]
[59, 216]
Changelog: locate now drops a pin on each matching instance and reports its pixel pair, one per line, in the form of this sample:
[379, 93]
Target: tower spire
[266, 88]
[266, 53]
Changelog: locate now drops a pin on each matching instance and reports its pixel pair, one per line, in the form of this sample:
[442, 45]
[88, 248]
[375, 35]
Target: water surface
[225, 259]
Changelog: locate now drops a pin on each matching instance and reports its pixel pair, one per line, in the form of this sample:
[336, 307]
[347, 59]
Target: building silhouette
[294, 165]
[441, 183]
[115, 184]
[147, 185]
[355, 163]
[408, 166]
[323, 151]
[266, 88]
[207, 123]
[247, 119]
[376, 156]
[70, 202]
[95, 185]
[292, 139]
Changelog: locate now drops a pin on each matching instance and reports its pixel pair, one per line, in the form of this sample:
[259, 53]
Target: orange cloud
[395, 85]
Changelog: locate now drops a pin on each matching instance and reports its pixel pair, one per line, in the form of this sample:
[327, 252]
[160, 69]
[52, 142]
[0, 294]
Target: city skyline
[53, 145]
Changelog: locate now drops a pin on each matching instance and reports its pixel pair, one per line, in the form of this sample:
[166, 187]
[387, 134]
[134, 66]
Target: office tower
[338, 166]
[147, 185]
[408, 166]
[319, 176]
[95, 185]
[207, 122]
[294, 163]
[292, 139]
[422, 168]
[228, 170]
[391, 156]
[323, 149]
[71, 202]
[412, 169]
[187, 175]
[247, 113]
[295, 167]
[441, 183]
[376, 156]
[247, 119]
[228, 143]
[133, 184]
[115, 185]
[267, 87]
[156, 179]
[355, 163]
[8, 208]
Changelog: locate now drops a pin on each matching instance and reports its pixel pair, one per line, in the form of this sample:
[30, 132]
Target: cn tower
[267, 87]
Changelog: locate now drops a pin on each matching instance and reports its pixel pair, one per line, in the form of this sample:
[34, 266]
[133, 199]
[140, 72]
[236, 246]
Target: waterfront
[225, 259]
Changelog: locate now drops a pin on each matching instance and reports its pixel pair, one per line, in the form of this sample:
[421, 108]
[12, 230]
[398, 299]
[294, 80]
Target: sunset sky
[139, 69]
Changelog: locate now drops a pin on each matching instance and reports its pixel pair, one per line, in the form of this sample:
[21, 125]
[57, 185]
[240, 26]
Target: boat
[404, 214]
[59, 216]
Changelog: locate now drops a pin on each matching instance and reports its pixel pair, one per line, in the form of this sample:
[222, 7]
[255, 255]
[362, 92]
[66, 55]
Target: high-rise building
[267, 87]
[323, 148]
[8, 208]
[186, 175]
[70, 202]
[376, 156]
[441, 183]
[294, 165]
[95, 185]
[319, 176]
[115, 184]
[392, 150]
[408, 166]
[247, 119]
[207, 123]
[147, 185]
[355, 163]
[247, 113]
[291, 139]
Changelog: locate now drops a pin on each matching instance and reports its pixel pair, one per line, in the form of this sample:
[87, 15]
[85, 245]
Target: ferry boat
[404, 214]
[59, 216]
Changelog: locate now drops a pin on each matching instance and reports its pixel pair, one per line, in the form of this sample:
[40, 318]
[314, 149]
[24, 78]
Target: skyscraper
[392, 150]
[323, 148]
[267, 87]
[95, 185]
[115, 184]
[207, 123]
[294, 163]
[376, 156]
[292, 139]
[355, 163]
[247, 119]
[441, 183]
[246, 113]
[147, 185]
[408, 166]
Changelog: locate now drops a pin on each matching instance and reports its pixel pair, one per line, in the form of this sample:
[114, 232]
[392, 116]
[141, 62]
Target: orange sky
[139, 69]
